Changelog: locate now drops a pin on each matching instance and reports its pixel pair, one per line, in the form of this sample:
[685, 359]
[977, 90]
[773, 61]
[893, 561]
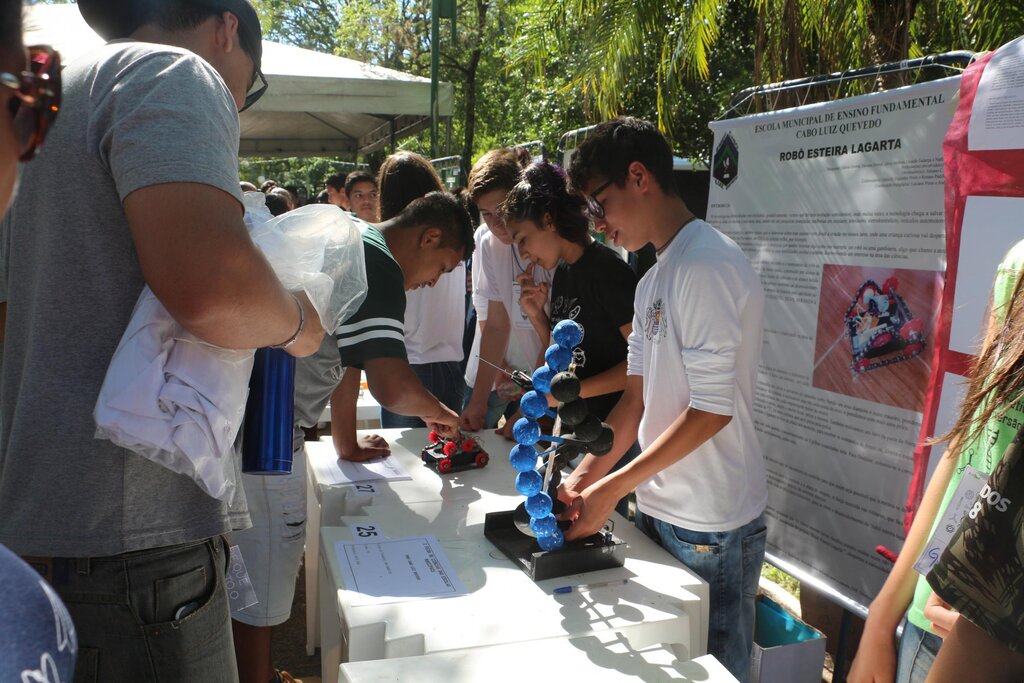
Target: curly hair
[542, 190]
[613, 145]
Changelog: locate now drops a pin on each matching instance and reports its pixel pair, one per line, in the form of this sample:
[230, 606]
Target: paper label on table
[997, 117]
[959, 505]
[366, 530]
[367, 488]
[396, 570]
[332, 471]
[239, 587]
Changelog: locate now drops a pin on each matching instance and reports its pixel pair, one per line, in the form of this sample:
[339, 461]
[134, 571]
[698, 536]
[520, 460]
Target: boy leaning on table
[692, 366]
[430, 237]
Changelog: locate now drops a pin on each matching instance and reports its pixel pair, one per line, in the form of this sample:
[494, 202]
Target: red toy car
[451, 455]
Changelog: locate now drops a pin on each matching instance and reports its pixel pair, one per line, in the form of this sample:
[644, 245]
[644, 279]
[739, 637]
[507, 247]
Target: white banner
[840, 208]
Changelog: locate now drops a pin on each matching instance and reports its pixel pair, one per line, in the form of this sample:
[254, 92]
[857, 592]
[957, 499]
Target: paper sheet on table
[396, 570]
[997, 117]
[335, 472]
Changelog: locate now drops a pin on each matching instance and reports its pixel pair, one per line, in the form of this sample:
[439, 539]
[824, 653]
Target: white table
[331, 503]
[661, 602]
[367, 412]
[602, 658]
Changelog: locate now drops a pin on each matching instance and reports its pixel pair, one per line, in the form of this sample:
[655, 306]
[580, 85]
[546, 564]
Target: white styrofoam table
[601, 658]
[326, 505]
[662, 601]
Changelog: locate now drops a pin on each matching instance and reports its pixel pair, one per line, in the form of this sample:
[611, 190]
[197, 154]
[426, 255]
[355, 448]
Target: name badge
[959, 505]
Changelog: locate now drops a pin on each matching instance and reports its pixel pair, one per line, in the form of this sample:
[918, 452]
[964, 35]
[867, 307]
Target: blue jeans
[443, 380]
[730, 561]
[495, 407]
[917, 652]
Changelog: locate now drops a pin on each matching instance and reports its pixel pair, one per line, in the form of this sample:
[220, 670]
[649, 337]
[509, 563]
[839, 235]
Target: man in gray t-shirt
[137, 185]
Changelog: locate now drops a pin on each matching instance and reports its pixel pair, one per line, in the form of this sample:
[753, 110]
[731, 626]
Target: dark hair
[462, 194]
[10, 30]
[404, 177]
[276, 203]
[337, 181]
[247, 186]
[613, 145]
[181, 15]
[443, 211]
[498, 169]
[321, 197]
[542, 191]
[268, 185]
[359, 176]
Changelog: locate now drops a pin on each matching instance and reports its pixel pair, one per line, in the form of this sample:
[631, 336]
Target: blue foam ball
[523, 458]
[542, 379]
[529, 483]
[533, 405]
[539, 505]
[558, 359]
[526, 431]
[544, 526]
[568, 334]
[553, 542]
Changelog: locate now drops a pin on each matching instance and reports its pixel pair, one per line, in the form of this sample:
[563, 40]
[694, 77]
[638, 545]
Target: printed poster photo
[874, 333]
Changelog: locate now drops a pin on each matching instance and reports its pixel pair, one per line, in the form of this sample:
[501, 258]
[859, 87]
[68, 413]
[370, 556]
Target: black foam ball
[588, 429]
[603, 443]
[573, 412]
[565, 386]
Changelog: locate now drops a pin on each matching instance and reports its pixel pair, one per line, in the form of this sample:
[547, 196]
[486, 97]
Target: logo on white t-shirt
[655, 324]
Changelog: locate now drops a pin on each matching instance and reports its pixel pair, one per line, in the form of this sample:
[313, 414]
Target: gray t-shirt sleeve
[166, 117]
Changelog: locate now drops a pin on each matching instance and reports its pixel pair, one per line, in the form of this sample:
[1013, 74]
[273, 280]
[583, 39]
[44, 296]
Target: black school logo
[725, 165]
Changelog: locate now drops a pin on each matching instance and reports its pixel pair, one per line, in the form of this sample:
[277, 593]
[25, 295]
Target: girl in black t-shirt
[592, 284]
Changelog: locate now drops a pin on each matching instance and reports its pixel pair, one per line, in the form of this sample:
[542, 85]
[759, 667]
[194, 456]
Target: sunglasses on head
[36, 98]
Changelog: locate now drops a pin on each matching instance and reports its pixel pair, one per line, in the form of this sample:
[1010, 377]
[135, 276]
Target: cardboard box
[786, 650]
[820, 612]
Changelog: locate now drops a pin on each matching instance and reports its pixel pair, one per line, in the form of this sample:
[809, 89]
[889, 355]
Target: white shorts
[272, 548]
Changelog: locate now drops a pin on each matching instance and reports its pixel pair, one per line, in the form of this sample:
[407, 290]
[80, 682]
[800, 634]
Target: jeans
[443, 380]
[495, 407]
[917, 652]
[730, 561]
[152, 615]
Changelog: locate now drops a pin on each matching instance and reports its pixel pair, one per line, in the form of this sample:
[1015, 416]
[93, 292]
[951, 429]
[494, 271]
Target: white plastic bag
[178, 401]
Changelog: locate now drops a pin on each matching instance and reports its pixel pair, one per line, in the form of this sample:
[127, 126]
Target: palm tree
[792, 38]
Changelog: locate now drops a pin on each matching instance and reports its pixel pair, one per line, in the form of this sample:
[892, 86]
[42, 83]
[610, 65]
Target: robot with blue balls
[539, 471]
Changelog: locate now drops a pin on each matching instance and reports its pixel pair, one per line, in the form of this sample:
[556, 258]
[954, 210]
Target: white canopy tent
[316, 105]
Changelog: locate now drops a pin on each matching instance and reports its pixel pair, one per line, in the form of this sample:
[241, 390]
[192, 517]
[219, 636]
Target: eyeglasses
[256, 90]
[36, 98]
[594, 207]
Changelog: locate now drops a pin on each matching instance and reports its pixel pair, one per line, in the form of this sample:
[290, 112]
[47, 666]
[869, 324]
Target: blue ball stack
[526, 431]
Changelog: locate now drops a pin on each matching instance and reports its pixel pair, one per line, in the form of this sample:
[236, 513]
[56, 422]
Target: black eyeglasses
[259, 86]
[36, 98]
[594, 207]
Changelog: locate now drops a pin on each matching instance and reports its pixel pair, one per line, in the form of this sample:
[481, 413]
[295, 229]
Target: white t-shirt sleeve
[710, 333]
[479, 284]
[635, 347]
[490, 250]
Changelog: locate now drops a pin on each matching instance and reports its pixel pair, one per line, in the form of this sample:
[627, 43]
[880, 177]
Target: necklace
[685, 223]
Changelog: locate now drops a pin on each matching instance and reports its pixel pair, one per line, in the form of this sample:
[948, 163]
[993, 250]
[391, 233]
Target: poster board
[839, 206]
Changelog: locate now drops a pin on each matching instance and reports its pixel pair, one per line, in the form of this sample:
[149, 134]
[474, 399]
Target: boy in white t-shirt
[692, 368]
[497, 266]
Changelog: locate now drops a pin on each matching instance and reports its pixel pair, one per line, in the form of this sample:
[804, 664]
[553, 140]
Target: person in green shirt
[989, 418]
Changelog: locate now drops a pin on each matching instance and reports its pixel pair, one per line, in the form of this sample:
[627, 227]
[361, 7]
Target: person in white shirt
[505, 331]
[692, 367]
